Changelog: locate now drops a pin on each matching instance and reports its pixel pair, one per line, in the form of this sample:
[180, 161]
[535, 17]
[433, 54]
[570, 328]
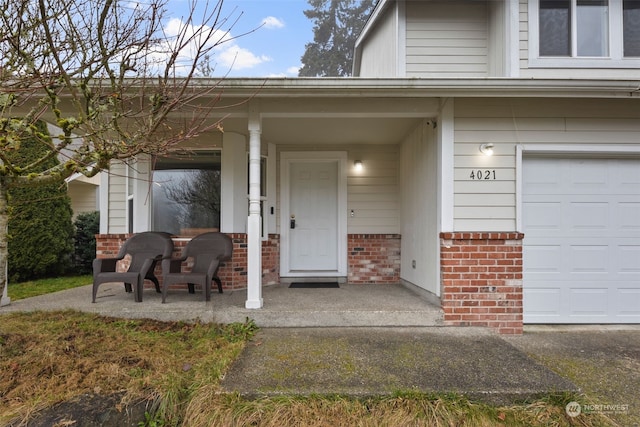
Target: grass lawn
[50, 357]
[34, 288]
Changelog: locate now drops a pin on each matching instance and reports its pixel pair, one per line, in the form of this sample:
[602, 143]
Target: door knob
[292, 223]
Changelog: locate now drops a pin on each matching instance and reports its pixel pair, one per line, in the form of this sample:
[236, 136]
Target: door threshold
[313, 279]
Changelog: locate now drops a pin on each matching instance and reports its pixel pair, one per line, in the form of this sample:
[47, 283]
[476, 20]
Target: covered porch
[371, 305]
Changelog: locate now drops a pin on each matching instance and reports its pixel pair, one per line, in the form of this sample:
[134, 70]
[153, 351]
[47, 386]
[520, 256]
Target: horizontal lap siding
[444, 39]
[379, 53]
[117, 198]
[490, 205]
[374, 194]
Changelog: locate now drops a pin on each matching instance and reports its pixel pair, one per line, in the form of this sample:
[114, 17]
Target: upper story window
[584, 33]
[631, 26]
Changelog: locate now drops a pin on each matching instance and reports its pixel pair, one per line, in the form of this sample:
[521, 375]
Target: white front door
[312, 227]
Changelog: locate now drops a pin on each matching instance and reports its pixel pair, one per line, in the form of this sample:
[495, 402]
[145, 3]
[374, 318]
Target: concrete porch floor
[347, 306]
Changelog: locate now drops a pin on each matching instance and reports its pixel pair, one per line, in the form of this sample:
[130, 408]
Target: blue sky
[275, 47]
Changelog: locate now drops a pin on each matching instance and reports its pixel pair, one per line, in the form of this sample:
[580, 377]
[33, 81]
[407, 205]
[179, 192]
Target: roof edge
[420, 87]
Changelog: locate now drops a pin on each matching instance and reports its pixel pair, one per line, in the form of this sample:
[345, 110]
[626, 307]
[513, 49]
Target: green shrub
[87, 226]
[40, 237]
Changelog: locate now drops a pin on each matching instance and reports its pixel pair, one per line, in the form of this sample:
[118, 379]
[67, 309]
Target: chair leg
[138, 290]
[192, 288]
[155, 281]
[219, 283]
[206, 289]
[127, 287]
[165, 287]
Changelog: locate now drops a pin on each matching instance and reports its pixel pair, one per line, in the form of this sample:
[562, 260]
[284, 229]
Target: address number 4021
[483, 175]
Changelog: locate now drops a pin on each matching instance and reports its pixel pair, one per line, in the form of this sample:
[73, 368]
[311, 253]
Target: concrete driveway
[603, 361]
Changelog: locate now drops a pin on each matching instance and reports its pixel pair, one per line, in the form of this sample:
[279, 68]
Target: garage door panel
[628, 301]
[587, 177]
[581, 254]
[543, 216]
[542, 302]
[543, 259]
[628, 215]
[628, 258]
[589, 259]
[591, 216]
[588, 301]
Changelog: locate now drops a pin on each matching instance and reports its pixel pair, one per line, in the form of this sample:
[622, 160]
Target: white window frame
[615, 59]
[152, 169]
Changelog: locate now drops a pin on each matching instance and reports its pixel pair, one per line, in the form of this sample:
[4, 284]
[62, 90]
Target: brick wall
[373, 258]
[481, 275]
[232, 273]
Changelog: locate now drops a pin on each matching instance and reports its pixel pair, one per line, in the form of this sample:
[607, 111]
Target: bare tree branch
[110, 75]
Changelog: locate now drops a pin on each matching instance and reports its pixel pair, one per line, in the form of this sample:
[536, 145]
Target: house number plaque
[483, 175]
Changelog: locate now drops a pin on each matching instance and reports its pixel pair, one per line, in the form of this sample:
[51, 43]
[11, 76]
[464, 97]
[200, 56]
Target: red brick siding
[232, 273]
[373, 258]
[481, 277]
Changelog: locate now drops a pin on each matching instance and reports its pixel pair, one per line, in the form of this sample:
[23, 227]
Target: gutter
[421, 87]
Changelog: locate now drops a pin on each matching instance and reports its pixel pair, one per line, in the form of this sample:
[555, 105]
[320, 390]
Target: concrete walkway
[380, 361]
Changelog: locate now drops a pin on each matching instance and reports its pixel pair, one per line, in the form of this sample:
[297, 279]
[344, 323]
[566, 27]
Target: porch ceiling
[328, 130]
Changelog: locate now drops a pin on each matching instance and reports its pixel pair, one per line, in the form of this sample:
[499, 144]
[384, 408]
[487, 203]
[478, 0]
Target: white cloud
[226, 55]
[238, 58]
[290, 72]
[271, 22]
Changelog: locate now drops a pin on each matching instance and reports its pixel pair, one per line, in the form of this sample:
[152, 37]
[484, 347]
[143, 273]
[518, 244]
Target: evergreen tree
[87, 225]
[337, 24]
[40, 226]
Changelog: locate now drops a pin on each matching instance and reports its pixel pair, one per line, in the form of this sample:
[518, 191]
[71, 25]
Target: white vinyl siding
[373, 193]
[447, 39]
[83, 197]
[380, 52]
[490, 205]
[117, 206]
[419, 224]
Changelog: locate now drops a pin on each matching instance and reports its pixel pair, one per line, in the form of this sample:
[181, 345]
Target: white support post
[254, 234]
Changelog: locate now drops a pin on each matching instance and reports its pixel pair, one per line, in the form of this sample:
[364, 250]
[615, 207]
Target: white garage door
[581, 260]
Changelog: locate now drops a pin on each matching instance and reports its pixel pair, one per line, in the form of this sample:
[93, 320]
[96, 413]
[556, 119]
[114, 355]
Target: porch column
[254, 238]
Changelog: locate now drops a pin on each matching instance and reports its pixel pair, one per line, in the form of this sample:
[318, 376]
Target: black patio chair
[207, 251]
[145, 249]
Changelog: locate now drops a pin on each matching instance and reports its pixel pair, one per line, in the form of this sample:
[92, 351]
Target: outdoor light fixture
[357, 165]
[486, 149]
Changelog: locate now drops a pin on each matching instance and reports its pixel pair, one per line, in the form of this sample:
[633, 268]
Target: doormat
[311, 285]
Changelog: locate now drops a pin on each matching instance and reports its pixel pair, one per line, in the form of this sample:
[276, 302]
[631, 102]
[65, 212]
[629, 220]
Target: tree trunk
[4, 228]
